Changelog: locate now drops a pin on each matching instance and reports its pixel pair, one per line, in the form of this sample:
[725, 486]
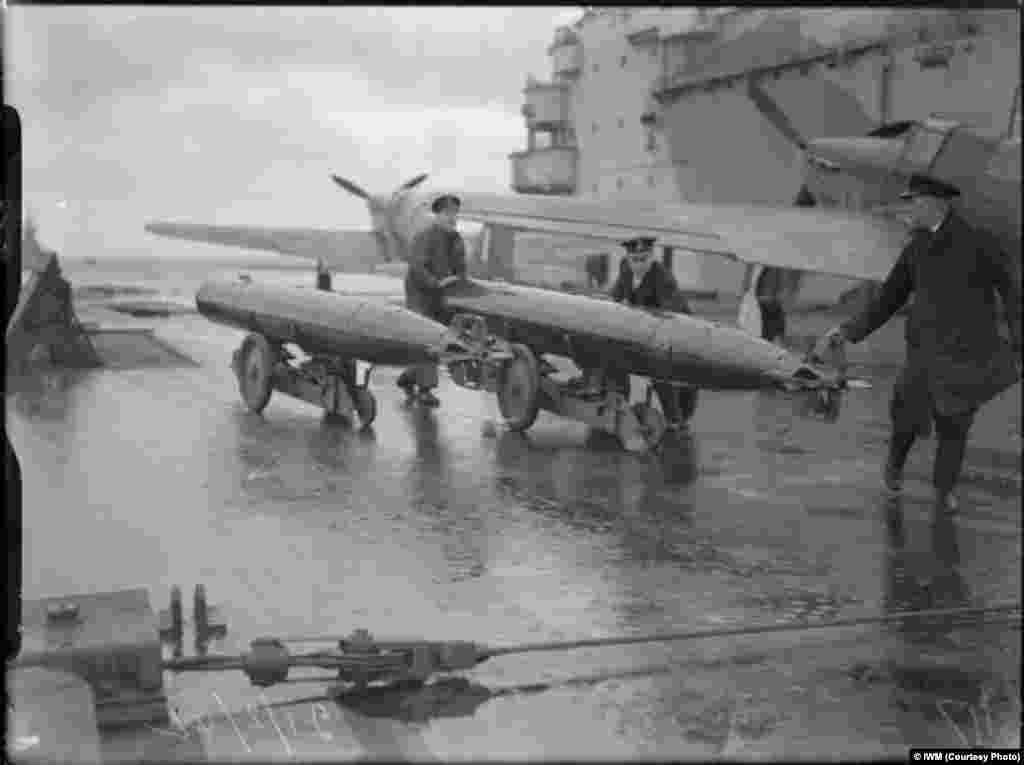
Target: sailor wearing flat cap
[437, 259]
[446, 201]
[645, 282]
[961, 350]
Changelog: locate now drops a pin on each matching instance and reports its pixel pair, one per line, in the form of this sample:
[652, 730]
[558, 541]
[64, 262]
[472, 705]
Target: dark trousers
[425, 376]
[677, 403]
[911, 407]
[773, 320]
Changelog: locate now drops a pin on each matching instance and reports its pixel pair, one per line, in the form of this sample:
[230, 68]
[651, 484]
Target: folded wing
[828, 241]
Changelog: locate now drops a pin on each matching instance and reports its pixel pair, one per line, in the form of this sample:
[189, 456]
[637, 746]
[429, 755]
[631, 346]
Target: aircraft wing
[343, 251]
[828, 241]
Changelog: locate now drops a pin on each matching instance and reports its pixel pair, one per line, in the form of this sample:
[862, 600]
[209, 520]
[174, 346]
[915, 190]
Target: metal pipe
[1014, 108]
[736, 631]
[689, 635]
[884, 89]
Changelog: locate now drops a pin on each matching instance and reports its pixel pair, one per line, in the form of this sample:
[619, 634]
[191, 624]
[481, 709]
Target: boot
[892, 477]
[899, 449]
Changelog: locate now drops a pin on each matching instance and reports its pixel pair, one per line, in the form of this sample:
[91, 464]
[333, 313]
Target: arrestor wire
[489, 651]
[321, 661]
[269, 662]
[565, 645]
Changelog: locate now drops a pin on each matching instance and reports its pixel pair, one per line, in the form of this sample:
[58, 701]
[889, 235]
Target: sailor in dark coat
[323, 276]
[437, 259]
[768, 291]
[646, 283]
[957, 358]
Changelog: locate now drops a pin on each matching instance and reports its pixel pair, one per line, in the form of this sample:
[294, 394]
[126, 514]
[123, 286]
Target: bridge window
[619, 183]
[594, 128]
[622, 122]
[622, 62]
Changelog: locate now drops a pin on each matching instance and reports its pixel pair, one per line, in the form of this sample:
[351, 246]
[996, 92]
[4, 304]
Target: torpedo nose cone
[850, 153]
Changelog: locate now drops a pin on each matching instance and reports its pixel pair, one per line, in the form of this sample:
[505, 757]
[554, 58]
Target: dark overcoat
[436, 252]
[956, 352]
[658, 289]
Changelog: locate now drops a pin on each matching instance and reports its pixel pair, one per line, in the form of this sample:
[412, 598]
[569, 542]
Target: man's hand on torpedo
[831, 341]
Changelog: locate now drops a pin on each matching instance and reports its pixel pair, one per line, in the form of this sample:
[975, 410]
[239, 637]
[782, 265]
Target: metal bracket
[207, 621]
[366, 376]
[472, 354]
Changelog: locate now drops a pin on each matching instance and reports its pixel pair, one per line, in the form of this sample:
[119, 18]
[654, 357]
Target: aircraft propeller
[413, 182]
[357, 190]
[350, 187]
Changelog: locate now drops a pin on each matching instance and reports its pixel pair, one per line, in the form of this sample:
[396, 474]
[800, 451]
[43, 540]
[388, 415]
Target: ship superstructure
[654, 103]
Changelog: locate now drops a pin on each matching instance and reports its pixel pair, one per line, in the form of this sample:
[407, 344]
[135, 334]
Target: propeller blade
[413, 182]
[350, 187]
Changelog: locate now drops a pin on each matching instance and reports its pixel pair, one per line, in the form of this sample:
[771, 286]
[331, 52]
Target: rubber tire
[256, 350]
[365, 405]
[520, 421]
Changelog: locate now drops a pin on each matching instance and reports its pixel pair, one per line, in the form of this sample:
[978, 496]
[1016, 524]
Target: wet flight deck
[436, 525]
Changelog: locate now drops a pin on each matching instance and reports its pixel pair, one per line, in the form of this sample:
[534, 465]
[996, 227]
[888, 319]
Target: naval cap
[925, 185]
[443, 201]
[639, 244]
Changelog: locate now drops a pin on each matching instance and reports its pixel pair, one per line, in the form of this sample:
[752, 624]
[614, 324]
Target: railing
[688, 63]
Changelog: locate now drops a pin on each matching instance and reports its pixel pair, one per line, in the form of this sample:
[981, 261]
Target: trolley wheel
[519, 388]
[652, 423]
[366, 406]
[255, 369]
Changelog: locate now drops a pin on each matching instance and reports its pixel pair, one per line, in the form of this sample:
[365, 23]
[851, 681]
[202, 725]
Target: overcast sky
[238, 115]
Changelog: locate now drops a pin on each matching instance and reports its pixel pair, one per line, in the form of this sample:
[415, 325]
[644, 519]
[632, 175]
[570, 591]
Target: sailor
[597, 266]
[646, 283]
[437, 259]
[323, 276]
[957, 358]
[772, 283]
[768, 290]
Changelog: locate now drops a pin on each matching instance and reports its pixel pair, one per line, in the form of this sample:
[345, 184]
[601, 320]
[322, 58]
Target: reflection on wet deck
[435, 526]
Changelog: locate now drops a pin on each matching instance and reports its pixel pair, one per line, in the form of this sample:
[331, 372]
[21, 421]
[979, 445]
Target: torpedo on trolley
[495, 341]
